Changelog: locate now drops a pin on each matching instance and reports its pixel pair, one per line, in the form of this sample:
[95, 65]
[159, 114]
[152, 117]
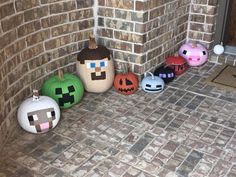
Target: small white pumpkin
[38, 114]
[218, 49]
[152, 84]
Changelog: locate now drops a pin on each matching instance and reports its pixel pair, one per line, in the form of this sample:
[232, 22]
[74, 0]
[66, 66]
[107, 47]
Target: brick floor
[187, 130]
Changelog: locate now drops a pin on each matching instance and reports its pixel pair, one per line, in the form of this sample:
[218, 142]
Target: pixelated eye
[91, 65]
[35, 117]
[204, 52]
[185, 52]
[53, 113]
[71, 88]
[120, 82]
[128, 82]
[30, 118]
[164, 76]
[103, 63]
[49, 114]
[58, 91]
[148, 85]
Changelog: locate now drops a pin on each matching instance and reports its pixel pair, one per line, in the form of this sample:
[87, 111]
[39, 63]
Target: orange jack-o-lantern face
[126, 83]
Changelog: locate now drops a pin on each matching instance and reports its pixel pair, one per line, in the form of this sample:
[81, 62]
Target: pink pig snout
[192, 58]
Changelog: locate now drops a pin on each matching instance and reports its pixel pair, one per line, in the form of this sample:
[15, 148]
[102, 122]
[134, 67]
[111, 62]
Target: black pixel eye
[148, 85]
[120, 82]
[53, 113]
[204, 52]
[128, 82]
[71, 88]
[30, 118]
[185, 52]
[58, 91]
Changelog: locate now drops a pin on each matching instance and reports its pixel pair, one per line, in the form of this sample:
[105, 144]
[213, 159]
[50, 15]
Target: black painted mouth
[153, 90]
[102, 77]
[126, 90]
[66, 98]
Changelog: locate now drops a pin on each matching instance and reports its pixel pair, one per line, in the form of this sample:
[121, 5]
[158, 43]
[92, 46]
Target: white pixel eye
[35, 117]
[49, 114]
[91, 65]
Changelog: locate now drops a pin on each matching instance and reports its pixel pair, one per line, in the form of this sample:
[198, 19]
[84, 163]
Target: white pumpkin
[152, 84]
[38, 114]
[218, 49]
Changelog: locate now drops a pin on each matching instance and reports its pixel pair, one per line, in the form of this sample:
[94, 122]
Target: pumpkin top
[174, 60]
[93, 52]
[99, 53]
[35, 95]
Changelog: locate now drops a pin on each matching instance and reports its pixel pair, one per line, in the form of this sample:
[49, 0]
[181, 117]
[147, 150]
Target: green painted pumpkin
[66, 89]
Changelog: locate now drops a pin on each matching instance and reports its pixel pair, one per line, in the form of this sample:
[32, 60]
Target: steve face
[42, 119]
[97, 68]
[97, 75]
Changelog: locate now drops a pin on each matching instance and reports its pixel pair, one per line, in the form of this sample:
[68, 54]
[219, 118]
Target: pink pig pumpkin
[194, 54]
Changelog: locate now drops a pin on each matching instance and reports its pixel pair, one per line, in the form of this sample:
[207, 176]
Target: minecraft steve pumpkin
[95, 67]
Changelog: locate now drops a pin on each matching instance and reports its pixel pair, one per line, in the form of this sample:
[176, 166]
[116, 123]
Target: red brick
[63, 29]
[29, 28]
[36, 13]
[32, 52]
[26, 4]
[54, 20]
[62, 7]
[38, 37]
[80, 14]
[6, 10]
[12, 22]
[18, 73]
[58, 42]
[10, 65]
[7, 39]
[15, 48]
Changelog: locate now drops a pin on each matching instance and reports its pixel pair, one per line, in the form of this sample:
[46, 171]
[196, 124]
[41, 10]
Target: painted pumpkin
[194, 54]
[126, 83]
[38, 114]
[66, 89]
[152, 84]
[95, 67]
[177, 63]
[166, 73]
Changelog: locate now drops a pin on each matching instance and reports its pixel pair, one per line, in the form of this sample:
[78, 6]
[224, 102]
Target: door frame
[221, 21]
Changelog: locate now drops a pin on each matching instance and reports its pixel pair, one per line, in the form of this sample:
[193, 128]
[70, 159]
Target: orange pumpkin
[126, 83]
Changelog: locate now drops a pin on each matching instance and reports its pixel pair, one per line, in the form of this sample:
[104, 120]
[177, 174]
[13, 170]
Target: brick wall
[39, 36]
[142, 33]
[202, 22]
[36, 38]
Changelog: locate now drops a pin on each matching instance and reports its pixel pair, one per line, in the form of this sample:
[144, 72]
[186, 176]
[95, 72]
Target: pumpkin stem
[123, 68]
[60, 74]
[150, 74]
[92, 42]
[35, 95]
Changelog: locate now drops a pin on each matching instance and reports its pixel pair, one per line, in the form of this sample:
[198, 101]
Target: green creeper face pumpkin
[66, 89]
